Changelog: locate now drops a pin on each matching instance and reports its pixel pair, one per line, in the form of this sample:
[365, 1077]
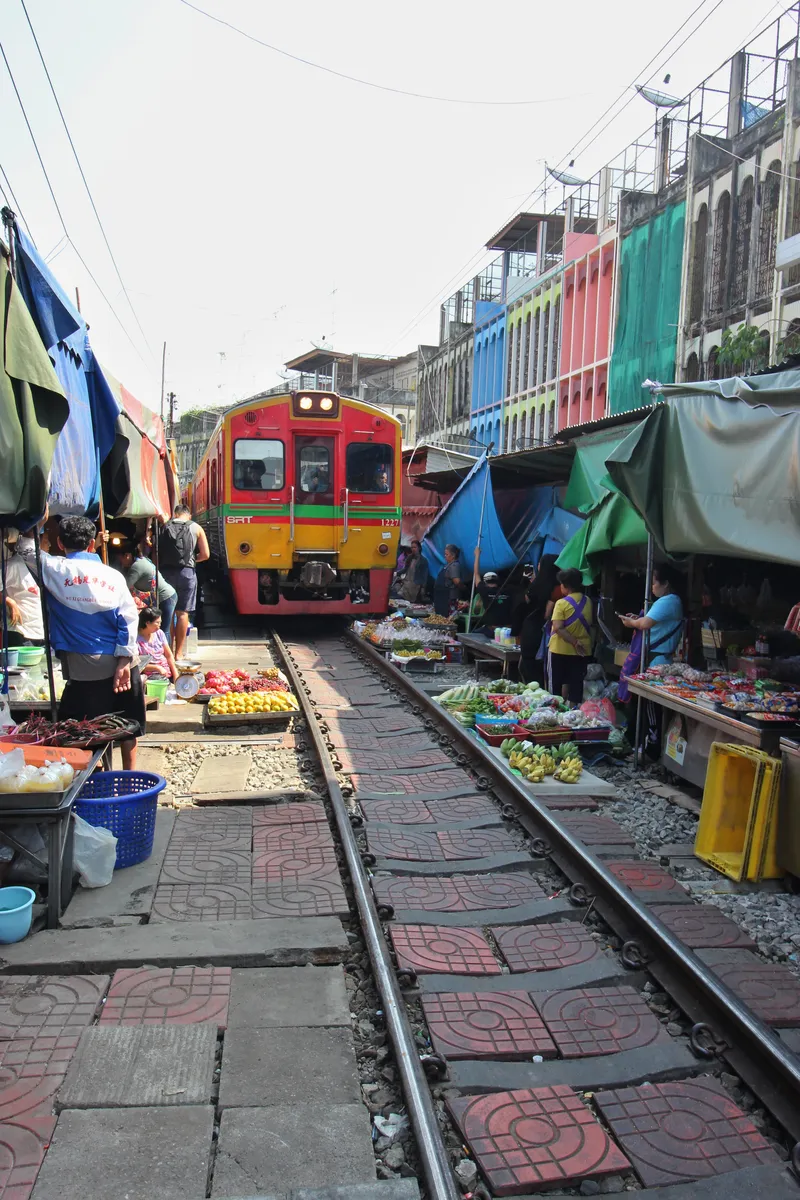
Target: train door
[314, 470]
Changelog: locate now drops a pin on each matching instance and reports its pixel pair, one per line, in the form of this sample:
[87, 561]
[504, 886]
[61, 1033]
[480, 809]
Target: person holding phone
[664, 620]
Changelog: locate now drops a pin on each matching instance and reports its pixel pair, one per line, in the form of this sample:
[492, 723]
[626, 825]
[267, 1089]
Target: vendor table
[789, 808]
[701, 727]
[480, 646]
[59, 839]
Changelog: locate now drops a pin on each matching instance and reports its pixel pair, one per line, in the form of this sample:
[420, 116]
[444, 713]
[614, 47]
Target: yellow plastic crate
[737, 830]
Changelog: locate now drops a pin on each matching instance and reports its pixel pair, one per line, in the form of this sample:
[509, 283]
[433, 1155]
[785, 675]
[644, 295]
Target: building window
[537, 321]
[600, 402]
[526, 355]
[792, 276]
[698, 265]
[512, 354]
[719, 259]
[506, 446]
[513, 445]
[551, 421]
[741, 250]
[555, 338]
[712, 366]
[692, 369]
[546, 343]
[575, 412]
[770, 189]
[467, 391]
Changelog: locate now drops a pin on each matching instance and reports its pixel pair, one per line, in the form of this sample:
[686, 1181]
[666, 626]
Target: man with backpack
[181, 545]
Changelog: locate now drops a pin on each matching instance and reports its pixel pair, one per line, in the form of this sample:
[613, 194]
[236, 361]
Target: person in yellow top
[571, 637]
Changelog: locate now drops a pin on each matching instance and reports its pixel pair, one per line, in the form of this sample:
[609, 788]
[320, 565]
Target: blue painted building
[488, 372]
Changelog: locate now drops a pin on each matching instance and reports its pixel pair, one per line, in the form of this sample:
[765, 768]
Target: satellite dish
[660, 99]
[564, 177]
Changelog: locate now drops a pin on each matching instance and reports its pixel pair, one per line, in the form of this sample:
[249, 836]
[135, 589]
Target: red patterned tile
[645, 878]
[457, 893]
[277, 866]
[476, 843]
[535, 1138]
[312, 835]
[769, 989]
[591, 1021]
[48, 1005]
[201, 902]
[597, 831]
[505, 889]
[309, 898]
[203, 864]
[431, 949]
[702, 925]
[677, 1132]
[168, 996]
[31, 1072]
[214, 832]
[497, 1025]
[354, 760]
[302, 812]
[23, 1144]
[398, 812]
[411, 846]
[427, 782]
[462, 808]
[545, 947]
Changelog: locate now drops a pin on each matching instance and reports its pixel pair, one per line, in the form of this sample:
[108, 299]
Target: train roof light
[326, 403]
[306, 402]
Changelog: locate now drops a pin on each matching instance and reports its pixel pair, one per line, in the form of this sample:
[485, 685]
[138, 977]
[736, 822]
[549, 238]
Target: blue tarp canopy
[519, 524]
[90, 431]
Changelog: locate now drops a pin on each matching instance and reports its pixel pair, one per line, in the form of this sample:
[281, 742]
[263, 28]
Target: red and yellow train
[299, 495]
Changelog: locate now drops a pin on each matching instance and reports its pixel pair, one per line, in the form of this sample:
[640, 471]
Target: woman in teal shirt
[664, 618]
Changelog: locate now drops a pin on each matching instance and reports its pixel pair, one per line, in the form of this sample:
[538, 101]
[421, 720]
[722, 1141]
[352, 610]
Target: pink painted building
[587, 326]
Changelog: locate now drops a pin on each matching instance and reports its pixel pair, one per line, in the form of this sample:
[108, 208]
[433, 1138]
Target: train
[299, 495]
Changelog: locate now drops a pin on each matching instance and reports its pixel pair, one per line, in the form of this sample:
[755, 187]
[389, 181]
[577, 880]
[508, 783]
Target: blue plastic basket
[124, 802]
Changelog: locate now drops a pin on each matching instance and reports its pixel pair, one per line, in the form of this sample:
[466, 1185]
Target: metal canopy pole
[648, 584]
[480, 535]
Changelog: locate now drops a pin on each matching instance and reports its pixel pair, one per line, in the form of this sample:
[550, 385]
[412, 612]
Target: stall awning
[33, 410]
[712, 475]
[469, 511]
[138, 478]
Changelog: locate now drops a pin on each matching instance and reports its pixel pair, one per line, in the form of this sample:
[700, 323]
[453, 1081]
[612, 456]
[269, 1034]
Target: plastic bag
[95, 853]
[600, 710]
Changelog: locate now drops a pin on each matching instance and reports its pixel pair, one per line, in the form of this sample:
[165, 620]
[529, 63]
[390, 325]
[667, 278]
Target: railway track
[589, 1024]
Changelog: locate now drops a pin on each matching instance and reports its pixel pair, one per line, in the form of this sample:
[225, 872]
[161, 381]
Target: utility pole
[171, 398]
[163, 370]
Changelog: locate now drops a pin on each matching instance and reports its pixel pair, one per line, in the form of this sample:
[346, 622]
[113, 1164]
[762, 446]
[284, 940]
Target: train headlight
[326, 404]
[383, 548]
[306, 403]
[245, 547]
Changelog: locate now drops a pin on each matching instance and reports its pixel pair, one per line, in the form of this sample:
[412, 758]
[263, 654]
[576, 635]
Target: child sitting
[152, 641]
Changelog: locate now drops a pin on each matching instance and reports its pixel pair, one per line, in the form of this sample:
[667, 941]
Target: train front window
[258, 465]
[314, 481]
[369, 467]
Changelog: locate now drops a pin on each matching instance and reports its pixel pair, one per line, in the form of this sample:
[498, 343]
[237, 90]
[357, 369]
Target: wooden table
[59, 840]
[702, 727]
[480, 646]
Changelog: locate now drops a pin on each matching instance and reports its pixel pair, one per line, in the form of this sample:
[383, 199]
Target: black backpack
[176, 545]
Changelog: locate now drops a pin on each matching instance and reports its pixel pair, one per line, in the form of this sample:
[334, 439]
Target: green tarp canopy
[651, 266]
[711, 475]
[611, 522]
[33, 410]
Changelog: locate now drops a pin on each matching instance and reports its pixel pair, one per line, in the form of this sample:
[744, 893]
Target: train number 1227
[392, 521]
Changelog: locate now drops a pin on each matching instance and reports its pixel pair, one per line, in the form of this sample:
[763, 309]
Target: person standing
[23, 603]
[664, 621]
[93, 629]
[146, 584]
[417, 575]
[449, 582]
[530, 619]
[182, 544]
[571, 637]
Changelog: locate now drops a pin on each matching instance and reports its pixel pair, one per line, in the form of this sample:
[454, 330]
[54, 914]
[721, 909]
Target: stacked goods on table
[534, 762]
[408, 639]
[237, 693]
[755, 701]
[88, 734]
[18, 774]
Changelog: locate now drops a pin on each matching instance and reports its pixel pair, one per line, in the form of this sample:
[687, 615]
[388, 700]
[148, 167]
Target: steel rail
[768, 1056]
[432, 1151]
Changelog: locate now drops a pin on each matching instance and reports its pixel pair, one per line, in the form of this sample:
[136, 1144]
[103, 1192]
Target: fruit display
[245, 703]
[225, 683]
[535, 762]
[569, 770]
[429, 655]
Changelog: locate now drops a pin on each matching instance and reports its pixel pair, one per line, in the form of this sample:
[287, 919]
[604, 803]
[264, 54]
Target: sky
[257, 206]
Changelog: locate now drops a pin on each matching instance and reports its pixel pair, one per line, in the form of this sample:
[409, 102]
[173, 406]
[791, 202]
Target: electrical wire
[9, 191]
[83, 177]
[381, 87]
[80, 257]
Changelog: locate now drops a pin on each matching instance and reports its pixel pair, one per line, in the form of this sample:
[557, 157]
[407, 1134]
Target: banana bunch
[569, 770]
[528, 765]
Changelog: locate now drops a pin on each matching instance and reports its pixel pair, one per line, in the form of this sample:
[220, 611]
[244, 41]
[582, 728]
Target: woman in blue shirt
[664, 618]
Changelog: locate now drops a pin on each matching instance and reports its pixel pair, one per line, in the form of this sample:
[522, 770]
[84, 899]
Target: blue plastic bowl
[16, 911]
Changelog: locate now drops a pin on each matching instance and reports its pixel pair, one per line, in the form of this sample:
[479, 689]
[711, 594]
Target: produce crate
[486, 734]
[217, 720]
[598, 733]
[553, 736]
[737, 830]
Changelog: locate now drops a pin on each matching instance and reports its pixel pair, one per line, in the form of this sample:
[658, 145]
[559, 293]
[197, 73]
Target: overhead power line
[83, 177]
[58, 208]
[381, 87]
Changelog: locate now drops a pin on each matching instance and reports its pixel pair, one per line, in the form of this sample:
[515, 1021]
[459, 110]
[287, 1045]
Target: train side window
[369, 467]
[214, 483]
[258, 465]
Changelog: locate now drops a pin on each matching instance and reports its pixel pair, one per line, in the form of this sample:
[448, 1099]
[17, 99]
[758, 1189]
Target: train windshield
[258, 465]
[314, 469]
[369, 467]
